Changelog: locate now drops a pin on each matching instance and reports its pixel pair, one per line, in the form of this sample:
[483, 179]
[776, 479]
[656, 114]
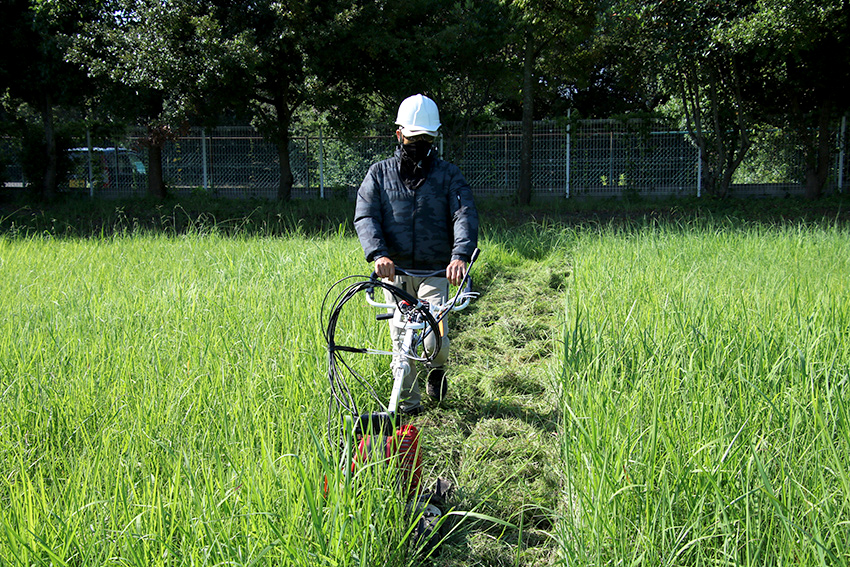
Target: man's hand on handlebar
[385, 268]
[455, 271]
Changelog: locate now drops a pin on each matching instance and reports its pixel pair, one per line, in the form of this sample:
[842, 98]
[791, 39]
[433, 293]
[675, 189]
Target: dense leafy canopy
[721, 67]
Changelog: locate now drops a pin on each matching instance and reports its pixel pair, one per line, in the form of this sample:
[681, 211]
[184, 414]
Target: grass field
[705, 397]
[624, 393]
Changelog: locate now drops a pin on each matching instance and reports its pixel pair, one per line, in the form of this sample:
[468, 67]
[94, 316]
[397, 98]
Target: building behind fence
[599, 158]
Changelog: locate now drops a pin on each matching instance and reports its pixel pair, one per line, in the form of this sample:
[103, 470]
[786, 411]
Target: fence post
[204, 158]
[88, 156]
[611, 155]
[841, 144]
[507, 161]
[569, 129]
[321, 165]
[306, 163]
[115, 179]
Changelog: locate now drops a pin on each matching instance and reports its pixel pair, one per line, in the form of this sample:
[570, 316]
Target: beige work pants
[432, 290]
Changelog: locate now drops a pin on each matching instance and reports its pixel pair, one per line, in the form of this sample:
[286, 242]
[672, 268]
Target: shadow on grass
[82, 217]
[625, 215]
[85, 218]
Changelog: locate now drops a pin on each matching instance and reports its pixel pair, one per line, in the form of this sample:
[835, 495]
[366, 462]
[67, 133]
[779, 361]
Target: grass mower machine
[382, 437]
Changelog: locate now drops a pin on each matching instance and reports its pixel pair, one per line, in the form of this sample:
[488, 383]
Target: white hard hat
[418, 115]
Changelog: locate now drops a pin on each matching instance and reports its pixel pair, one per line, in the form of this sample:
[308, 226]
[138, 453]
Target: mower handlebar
[465, 293]
[370, 292]
[430, 273]
[417, 273]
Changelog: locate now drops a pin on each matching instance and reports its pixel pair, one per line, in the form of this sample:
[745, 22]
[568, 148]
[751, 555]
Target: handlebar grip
[383, 316]
[413, 273]
[419, 273]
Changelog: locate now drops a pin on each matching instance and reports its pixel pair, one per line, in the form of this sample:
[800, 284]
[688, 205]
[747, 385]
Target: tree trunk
[51, 175]
[284, 188]
[158, 134]
[817, 162]
[156, 185]
[525, 187]
[710, 185]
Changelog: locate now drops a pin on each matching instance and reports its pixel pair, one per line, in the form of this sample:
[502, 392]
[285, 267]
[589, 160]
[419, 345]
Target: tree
[732, 65]
[680, 45]
[306, 57]
[453, 51]
[273, 67]
[35, 72]
[473, 70]
[276, 60]
[167, 56]
[797, 52]
[621, 76]
[548, 33]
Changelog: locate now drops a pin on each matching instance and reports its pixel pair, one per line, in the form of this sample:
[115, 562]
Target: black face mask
[417, 152]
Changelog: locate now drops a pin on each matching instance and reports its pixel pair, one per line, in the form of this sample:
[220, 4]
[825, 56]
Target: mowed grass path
[660, 394]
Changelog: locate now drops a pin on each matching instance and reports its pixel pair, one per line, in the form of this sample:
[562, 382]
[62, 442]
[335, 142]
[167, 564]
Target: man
[416, 211]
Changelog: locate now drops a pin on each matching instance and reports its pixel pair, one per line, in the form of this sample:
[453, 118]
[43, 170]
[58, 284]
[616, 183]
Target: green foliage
[170, 53]
[772, 160]
[792, 47]
[469, 67]
[727, 66]
[35, 76]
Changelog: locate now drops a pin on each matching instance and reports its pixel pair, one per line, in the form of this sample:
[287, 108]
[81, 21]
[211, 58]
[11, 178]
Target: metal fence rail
[11, 171]
[602, 158]
[237, 162]
[599, 158]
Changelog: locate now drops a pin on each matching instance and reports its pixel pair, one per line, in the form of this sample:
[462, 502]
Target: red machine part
[404, 447]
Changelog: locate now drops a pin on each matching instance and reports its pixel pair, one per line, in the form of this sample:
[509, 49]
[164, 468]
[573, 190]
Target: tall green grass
[705, 397]
[163, 401]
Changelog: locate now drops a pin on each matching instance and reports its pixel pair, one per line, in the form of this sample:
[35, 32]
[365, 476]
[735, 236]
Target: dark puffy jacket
[422, 229]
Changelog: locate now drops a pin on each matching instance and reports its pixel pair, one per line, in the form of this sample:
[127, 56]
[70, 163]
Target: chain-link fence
[775, 163]
[599, 158]
[11, 172]
[237, 162]
[602, 158]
